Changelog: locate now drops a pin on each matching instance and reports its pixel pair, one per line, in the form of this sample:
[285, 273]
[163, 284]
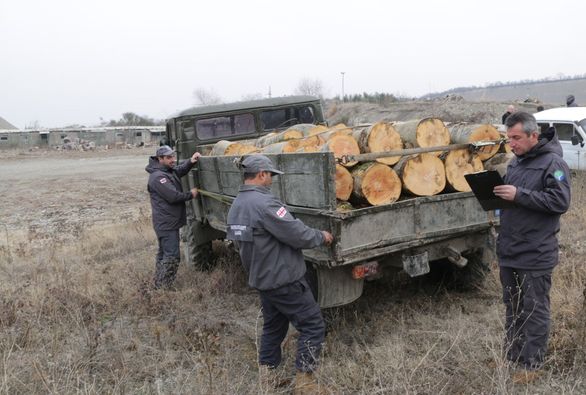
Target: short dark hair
[250, 176]
[528, 121]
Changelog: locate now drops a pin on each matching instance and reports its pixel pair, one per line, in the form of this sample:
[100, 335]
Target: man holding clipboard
[537, 184]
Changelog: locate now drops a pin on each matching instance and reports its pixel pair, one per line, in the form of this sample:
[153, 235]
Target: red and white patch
[163, 180]
[281, 212]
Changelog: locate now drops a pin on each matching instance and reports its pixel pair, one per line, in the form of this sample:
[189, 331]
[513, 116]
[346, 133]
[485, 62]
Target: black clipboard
[482, 184]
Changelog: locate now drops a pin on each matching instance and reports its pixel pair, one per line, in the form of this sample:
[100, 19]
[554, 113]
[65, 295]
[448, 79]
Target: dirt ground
[77, 248]
[50, 195]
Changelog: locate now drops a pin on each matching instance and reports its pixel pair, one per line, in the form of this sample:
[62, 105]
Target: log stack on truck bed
[384, 179]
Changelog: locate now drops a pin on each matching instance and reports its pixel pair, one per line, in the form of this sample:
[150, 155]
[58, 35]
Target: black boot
[166, 271]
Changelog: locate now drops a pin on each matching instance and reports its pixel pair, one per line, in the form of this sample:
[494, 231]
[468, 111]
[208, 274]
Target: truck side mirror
[575, 140]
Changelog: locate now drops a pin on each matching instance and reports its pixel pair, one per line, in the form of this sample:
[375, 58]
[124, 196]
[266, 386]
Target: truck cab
[570, 125]
[198, 128]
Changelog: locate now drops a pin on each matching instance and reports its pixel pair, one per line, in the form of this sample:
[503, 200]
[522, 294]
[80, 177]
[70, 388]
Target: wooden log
[379, 137]
[422, 175]
[278, 137]
[499, 162]
[225, 147]
[307, 129]
[375, 183]
[428, 132]
[247, 149]
[458, 163]
[344, 183]
[335, 132]
[342, 145]
[283, 147]
[468, 133]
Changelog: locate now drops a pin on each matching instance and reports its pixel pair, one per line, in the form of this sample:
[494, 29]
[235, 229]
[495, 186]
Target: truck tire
[200, 257]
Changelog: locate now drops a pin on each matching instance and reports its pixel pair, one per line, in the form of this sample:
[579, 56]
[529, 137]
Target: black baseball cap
[164, 150]
[258, 163]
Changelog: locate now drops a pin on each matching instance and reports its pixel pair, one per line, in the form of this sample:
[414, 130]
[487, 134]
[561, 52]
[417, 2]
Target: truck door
[574, 155]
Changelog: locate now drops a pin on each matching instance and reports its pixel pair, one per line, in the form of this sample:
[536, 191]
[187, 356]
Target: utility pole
[342, 72]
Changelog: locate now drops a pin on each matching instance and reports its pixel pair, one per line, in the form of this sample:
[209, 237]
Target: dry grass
[80, 318]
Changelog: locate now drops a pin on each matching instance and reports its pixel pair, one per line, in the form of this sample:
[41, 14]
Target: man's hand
[195, 157]
[328, 238]
[506, 192]
[194, 192]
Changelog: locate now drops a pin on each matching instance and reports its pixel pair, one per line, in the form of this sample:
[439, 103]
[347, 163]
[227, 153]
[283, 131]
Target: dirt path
[60, 195]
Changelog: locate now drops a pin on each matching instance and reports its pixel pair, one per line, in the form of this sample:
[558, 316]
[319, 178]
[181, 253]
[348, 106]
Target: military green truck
[410, 235]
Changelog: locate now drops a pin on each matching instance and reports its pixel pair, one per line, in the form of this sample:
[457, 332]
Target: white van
[570, 125]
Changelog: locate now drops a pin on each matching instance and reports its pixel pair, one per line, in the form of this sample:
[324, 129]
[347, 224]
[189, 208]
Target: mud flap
[416, 265]
[335, 286]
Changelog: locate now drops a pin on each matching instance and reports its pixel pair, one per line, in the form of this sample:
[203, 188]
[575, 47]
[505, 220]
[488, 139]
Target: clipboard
[482, 184]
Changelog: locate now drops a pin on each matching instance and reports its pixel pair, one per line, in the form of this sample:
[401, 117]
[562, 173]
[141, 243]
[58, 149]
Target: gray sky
[64, 62]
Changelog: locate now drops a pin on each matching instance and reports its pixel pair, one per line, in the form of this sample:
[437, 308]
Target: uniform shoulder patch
[559, 175]
[163, 180]
[281, 212]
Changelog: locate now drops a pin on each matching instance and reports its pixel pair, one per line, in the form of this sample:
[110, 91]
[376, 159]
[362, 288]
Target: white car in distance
[570, 125]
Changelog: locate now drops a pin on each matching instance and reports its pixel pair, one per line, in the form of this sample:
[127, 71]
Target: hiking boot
[270, 379]
[306, 384]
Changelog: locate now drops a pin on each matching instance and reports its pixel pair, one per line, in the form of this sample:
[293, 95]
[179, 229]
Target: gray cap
[258, 163]
[164, 150]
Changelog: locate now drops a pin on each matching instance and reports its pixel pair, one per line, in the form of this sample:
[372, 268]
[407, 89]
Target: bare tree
[307, 86]
[204, 97]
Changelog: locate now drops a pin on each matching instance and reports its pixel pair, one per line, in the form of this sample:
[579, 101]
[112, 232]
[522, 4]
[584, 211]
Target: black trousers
[168, 245]
[526, 298]
[292, 303]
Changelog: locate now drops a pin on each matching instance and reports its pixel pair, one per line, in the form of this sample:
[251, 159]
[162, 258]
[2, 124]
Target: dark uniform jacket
[528, 233]
[167, 196]
[269, 239]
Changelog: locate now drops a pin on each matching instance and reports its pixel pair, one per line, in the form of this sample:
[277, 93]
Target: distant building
[111, 136]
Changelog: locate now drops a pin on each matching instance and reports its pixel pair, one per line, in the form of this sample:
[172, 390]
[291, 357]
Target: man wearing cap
[270, 240]
[168, 206]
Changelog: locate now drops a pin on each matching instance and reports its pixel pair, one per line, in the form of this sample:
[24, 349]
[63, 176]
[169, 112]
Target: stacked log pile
[386, 179]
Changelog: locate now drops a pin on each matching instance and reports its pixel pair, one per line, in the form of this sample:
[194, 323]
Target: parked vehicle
[570, 125]
[409, 235]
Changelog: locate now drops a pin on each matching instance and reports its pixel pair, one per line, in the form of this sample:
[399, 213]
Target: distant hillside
[549, 92]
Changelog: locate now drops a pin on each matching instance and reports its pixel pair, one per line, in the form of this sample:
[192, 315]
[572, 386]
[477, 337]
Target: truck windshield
[225, 126]
[284, 117]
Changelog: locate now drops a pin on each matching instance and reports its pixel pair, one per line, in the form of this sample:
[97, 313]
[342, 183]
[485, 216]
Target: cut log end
[431, 132]
[376, 183]
[458, 163]
[342, 145]
[423, 175]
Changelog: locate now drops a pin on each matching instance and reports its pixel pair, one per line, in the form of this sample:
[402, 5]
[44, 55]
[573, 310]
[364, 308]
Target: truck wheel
[200, 257]
[446, 275]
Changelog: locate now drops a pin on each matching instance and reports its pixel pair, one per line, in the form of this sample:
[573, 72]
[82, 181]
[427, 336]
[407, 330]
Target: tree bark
[422, 175]
[344, 183]
[283, 147]
[278, 137]
[468, 133]
[375, 183]
[499, 162]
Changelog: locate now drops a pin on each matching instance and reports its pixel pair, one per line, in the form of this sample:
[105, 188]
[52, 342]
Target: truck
[410, 235]
[570, 126]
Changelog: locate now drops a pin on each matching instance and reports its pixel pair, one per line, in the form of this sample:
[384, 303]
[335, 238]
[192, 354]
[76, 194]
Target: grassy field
[77, 316]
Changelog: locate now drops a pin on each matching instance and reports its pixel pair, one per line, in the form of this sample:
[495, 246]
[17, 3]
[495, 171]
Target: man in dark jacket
[168, 206]
[538, 183]
[269, 240]
[510, 109]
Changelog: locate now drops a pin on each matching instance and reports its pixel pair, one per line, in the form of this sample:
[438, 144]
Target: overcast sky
[74, 62]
